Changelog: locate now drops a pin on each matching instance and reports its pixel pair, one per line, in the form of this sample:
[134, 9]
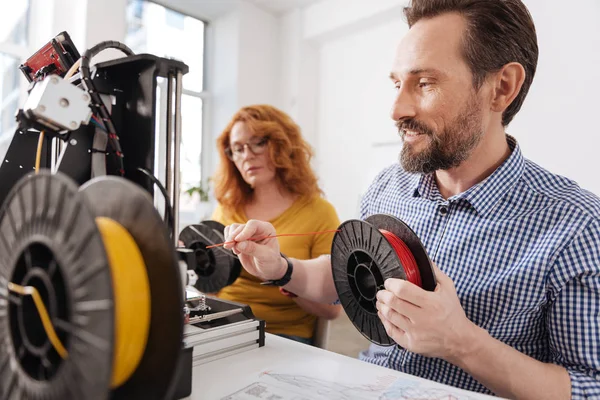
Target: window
[14, 27]
[154, 29]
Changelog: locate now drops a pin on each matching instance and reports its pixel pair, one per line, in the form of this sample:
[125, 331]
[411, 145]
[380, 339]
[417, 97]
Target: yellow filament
[73, 69]
[38, 154]
[41, 309]
[132, 298]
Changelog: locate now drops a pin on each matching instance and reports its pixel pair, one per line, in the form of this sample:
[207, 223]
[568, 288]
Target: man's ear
[506, 85]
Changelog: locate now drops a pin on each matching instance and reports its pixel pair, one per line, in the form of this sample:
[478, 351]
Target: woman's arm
[327, 311]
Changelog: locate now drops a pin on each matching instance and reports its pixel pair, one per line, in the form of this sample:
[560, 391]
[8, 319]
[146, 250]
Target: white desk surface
[287, 370]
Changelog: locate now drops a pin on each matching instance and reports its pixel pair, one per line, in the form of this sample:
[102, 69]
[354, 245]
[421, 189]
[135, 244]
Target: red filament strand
[406, 257]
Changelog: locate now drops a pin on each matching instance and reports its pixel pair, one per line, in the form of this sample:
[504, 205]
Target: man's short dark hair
[498, 32]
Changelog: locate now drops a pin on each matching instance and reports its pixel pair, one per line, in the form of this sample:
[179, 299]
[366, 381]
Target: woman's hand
[260, 258]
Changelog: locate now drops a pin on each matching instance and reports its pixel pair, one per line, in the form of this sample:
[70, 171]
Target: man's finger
[402, 307]
[406, 291]
[393, 316]
[393, 331]
[440, 276]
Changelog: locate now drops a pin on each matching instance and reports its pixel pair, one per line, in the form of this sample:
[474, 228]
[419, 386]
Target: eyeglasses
[256, 145]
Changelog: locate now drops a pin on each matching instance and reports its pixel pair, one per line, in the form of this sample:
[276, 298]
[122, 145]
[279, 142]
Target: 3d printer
[97, 299]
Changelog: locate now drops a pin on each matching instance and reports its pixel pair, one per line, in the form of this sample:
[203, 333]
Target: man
[517, 308]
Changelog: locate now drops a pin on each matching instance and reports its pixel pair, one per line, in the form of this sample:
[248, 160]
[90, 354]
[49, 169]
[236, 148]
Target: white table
[284, 369]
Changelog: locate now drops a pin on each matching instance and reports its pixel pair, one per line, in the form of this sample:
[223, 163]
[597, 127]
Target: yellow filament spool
[132, 298]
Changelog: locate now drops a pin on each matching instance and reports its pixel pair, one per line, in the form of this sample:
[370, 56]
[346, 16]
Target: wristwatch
[287, 277]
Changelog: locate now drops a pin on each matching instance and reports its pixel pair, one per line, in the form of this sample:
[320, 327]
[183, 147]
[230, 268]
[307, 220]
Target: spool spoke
[16, 300]
[11, 387]
[356, 258]
[52, 267]
[3, 364]
[370, 267]
[28, 261]
[45, 362]
[88, 337]
[94, 305]
[21, 352]
[41, 372]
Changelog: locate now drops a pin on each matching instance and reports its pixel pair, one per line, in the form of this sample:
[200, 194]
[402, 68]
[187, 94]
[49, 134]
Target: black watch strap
[287, 277]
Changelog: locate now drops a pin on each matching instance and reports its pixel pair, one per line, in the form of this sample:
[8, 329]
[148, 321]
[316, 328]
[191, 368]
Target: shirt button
[443, 210]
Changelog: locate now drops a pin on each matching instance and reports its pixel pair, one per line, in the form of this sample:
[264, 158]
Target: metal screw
[42, 107]
[54, 80]
[72, 142]
[85, 97]
[63, 102]
[73, 124]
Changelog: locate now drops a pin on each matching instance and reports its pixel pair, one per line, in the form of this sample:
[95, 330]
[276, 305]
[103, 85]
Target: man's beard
[447, 149]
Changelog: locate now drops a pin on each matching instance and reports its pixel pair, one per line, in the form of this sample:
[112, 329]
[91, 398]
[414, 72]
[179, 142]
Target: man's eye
[424, 84]
[238, 149]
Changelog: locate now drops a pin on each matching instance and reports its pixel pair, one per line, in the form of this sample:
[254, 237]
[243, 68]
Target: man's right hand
[260, 258]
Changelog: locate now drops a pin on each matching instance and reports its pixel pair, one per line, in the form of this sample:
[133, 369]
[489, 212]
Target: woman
[265, 174]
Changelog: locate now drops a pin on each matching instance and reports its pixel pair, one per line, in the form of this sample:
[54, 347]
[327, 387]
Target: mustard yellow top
[281, 314]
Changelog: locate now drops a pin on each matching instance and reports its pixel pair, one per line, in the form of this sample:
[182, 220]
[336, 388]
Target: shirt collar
[484, 196]
[425, 186]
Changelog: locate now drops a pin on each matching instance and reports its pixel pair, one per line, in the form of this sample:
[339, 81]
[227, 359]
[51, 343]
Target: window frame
[187, 218]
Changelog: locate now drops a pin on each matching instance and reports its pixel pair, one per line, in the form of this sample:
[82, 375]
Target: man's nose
[404, 106]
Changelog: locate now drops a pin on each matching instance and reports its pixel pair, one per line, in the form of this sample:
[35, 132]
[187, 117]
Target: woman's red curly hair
[289, 153]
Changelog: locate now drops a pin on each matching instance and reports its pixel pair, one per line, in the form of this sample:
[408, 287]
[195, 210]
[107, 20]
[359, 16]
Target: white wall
[244, 68]
[558, 126]
[222, 82]
[259, 54]
[355, 137]
[350, 46]
[299, 75]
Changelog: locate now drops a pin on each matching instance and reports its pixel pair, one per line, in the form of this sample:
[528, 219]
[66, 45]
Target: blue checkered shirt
[523, 250]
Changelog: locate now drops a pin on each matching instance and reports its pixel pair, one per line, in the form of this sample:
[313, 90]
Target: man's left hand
[433, 324]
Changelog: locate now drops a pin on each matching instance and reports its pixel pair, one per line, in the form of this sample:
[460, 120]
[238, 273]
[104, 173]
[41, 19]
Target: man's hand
[260, 258]
[433, 324]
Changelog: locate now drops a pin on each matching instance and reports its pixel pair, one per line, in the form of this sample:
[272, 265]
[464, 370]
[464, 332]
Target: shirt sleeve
[574, 314]
[365, 202]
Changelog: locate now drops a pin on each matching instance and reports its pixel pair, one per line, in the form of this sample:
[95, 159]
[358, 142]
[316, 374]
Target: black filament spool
[236, 268]
[216, 267]
[49, 240]
[362, 259]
